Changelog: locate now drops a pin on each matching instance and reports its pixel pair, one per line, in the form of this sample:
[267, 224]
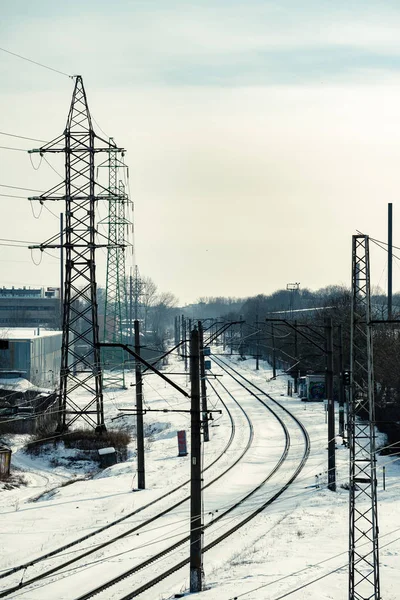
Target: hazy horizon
[260, 136]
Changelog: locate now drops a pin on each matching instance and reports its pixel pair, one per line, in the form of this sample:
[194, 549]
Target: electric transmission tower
[115, 314]
[363, 539]
[80, 355]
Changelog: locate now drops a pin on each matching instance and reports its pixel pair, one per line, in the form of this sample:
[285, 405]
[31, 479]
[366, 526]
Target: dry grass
[86, 440]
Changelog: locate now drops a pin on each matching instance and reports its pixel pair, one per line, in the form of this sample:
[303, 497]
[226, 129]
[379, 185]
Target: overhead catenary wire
[343, 566]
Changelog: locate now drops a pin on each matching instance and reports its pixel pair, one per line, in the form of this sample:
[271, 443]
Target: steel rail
[128, 532]
[252, 515]
[163, 553]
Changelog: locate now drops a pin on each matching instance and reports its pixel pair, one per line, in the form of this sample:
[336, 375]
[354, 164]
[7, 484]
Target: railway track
[260, 395]
[220, 538]
[132, 530]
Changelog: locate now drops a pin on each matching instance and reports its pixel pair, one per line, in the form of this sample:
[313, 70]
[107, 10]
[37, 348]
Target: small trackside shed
[34, 352]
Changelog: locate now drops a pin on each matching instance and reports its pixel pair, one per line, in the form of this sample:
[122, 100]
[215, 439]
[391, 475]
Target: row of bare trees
[155, 310]
[302, 351]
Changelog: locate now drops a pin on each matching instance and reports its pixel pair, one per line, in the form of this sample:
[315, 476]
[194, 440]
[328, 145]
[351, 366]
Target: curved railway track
[98, 547]
[101, 588]
[259, 395]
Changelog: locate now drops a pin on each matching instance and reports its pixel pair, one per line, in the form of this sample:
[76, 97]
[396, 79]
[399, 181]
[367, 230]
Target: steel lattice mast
[363, 539]
[80, 356]
[115, 296]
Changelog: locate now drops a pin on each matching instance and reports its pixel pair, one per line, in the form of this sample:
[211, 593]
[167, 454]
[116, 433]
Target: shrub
[81, 439]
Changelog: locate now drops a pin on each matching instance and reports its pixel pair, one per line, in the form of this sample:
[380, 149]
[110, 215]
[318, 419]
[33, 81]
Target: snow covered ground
[296, 548]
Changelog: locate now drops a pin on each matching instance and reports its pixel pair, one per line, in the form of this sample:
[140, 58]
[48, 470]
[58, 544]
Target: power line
[36, 63]
[17, 187]
[377, 242]
[51, 167]
[14, 245]
[22, 137]
[17, 149]
[17, 241]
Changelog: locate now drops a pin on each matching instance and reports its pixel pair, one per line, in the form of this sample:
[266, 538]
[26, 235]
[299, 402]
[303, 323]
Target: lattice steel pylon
[115, 296]
[80, 354]
[363, 533]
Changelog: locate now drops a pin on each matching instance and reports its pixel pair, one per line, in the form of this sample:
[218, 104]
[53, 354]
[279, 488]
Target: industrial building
[33, 352]
[30, 307]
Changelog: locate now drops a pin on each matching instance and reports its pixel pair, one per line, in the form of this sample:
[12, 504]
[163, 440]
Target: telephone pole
[363, 534]
[80, 353]
[196, 526]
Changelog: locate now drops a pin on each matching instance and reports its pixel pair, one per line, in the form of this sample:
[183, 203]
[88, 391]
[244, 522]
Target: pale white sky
[260, 134]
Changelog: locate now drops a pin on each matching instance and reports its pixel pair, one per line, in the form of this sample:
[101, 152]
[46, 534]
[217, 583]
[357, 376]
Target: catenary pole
[390, 260]
[257, 345]
[206, 431]
[331, 406]
[61, 267]
[296, 356]
[139, 412]
[130, 307]
[340, 382]
[273, 351]
[195, 478]
[185, 345]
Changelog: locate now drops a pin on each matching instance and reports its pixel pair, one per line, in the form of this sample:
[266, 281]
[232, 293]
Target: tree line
[290, 327]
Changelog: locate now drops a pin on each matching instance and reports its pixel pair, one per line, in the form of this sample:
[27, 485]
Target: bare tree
[162, 315]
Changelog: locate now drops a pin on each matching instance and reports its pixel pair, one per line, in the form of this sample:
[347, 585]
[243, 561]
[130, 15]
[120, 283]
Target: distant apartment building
[30, 307]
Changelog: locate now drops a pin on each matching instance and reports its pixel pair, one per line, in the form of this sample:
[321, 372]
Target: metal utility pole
[240, 347]
[178, 334]
[363, 534]
[331, 406]
[80, 354]
[176, 341]
[257, 346]
[203, 385]
[61, 267]
[139, 412]
[340, 382]
[273, 351]
[296, 356]
[390, 260]
[113, 358]
[137, 292]
[130, 307]
[185, 345]
[196, 526]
